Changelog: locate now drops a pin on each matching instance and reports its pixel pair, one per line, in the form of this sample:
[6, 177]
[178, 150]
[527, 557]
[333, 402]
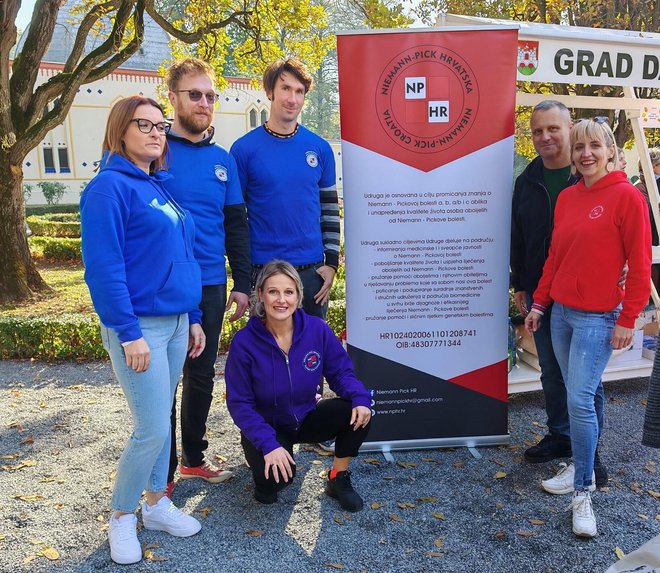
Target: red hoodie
[597, 229]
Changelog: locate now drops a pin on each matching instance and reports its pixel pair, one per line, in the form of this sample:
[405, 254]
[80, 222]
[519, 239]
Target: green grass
[70, 294]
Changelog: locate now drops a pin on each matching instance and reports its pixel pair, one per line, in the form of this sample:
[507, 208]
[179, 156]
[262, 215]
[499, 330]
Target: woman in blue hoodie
[137, 246]
[274, 373]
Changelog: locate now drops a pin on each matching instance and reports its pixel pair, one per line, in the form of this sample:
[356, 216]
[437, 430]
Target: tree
[120, 26]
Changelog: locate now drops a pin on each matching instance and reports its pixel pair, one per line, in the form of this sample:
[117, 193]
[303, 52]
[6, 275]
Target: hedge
[48, 226]
[55, 248]
[43, 209]
[63, 337]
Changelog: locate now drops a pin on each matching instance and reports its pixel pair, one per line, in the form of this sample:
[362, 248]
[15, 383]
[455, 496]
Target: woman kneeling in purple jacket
[274, 373]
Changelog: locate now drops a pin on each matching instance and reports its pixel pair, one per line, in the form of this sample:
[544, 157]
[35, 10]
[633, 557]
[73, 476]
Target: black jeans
[330, 419]
[198, 375]
[312, 283]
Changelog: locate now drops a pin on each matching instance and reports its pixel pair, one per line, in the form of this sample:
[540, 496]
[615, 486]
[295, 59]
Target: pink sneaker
[207, 471]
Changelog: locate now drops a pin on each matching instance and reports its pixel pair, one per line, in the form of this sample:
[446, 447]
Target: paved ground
[62, 429]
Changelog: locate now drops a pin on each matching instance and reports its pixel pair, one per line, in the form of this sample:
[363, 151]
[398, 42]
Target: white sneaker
[584, 520]
[165, 516]
[122, 535]
[563, 482]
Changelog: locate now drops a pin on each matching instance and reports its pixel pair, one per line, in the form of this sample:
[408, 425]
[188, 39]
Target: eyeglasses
[196, 95]
[145, 126]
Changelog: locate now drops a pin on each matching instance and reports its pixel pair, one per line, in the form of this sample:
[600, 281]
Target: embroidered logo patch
[596, 212]
[221, 172]
[312, 360]
[312, 158]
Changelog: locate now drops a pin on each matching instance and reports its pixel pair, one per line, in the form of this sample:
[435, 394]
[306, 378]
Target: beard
[194, 123]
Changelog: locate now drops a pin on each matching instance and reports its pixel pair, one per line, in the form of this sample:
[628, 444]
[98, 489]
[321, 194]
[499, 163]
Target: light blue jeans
[582, 344]
[150, 394]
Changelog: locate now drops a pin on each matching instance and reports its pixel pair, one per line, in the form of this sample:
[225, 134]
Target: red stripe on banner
[427, 98]
[481, 380]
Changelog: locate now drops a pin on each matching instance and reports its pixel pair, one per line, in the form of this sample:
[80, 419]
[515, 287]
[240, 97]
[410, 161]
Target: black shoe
[341, 489]
[265, 496]
[601, 472]
[549, 448]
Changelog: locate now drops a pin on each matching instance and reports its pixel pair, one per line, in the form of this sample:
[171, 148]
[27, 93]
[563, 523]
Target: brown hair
[275, 267]
[290, 66]
[187, 67]
[119, 121]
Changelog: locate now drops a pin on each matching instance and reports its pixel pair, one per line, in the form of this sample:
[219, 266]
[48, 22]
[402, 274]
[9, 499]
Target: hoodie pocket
[181, 291]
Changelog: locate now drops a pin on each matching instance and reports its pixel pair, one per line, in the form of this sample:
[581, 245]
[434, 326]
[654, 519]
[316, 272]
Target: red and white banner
[427, 121]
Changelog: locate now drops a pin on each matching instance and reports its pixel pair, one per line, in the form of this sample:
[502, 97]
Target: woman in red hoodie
[601, 223]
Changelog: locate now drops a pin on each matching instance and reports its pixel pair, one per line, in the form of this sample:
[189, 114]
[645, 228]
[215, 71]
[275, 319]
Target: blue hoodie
[268, 390]
[137, 247]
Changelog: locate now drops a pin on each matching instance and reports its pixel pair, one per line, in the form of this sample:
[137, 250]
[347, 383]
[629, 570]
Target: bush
[55, 248]
[53, 191]
[54, 225]
[44, 209]
[63, 337]
[336, 318]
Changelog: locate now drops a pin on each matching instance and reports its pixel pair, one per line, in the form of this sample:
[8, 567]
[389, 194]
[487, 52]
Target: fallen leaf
[376, 505]
[100, 517]
[10, 456]
[404, 505]
[527, 533]
[36, 542]
[500, 534]
[536, 521]
[254, 532]
[335, 565]
[499, 505]
[59, 506]
[221, 459]
[51, 479]
[152, 546]
[204, 512]
[27, 441]
[435, 554]
[17, 425]
[30, 498]
[151, 556]
[644, 401]
[538, 424]
[438, 542]
[619, 552]
[642, 516]
[427, 499]
[499, 475]
[339, 520]
[499, 463]
[458, 464]
[636, 487]
[407, 464]
[373, 461]
[20, 466]
[438, 515]
[317, 462]
[654, 494]
[323, 474]
[394, 517]
[388, 478]
[3, 536]
[649, 467]
[347, 516]
[30, 558]
[50, 553]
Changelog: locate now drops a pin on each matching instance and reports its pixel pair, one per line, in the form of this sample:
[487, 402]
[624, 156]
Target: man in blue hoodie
[206, 183]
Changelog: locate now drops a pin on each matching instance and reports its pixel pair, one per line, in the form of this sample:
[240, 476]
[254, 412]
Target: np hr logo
[427, 99]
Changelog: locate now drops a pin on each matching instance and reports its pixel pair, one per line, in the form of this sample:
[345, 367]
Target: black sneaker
[549, 448]
[265, 496]
[341, 489]
[601, 472]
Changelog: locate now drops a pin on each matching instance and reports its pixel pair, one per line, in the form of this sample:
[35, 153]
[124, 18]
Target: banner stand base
[471, 442]
[475, 452]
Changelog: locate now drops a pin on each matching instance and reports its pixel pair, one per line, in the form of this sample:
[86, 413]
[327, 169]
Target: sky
[24, 14]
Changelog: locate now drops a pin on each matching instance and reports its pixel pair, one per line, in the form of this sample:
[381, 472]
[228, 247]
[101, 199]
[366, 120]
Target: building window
[49, 161]
[264, 116]
[63, 157]
[253, 118]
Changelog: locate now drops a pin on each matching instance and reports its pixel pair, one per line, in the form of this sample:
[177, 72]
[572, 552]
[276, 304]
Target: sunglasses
[597, 119]
[196, 95]
[145, 126]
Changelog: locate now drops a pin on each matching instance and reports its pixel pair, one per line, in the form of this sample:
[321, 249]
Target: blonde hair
[589, 130]
[275, 267]
[119, 121]
[187, 67]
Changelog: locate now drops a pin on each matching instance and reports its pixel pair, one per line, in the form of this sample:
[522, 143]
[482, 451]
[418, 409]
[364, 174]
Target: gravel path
[63, 426]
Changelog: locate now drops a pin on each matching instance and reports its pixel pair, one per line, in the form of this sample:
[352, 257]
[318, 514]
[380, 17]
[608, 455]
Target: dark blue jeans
[554, 389]
[198, 376]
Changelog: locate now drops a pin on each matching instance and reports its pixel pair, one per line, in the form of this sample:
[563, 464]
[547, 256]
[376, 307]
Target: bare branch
[83, 31]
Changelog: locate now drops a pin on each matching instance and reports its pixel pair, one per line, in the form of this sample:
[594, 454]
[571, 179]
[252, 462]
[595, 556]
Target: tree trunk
[19, 278]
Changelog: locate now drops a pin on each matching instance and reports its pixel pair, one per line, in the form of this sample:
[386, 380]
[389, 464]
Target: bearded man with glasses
[205, 182]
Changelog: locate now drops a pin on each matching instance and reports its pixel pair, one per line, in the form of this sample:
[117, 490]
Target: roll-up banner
[427, 123]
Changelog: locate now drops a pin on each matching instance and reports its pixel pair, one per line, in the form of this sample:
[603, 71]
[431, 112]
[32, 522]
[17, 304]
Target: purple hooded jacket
[266, 390]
